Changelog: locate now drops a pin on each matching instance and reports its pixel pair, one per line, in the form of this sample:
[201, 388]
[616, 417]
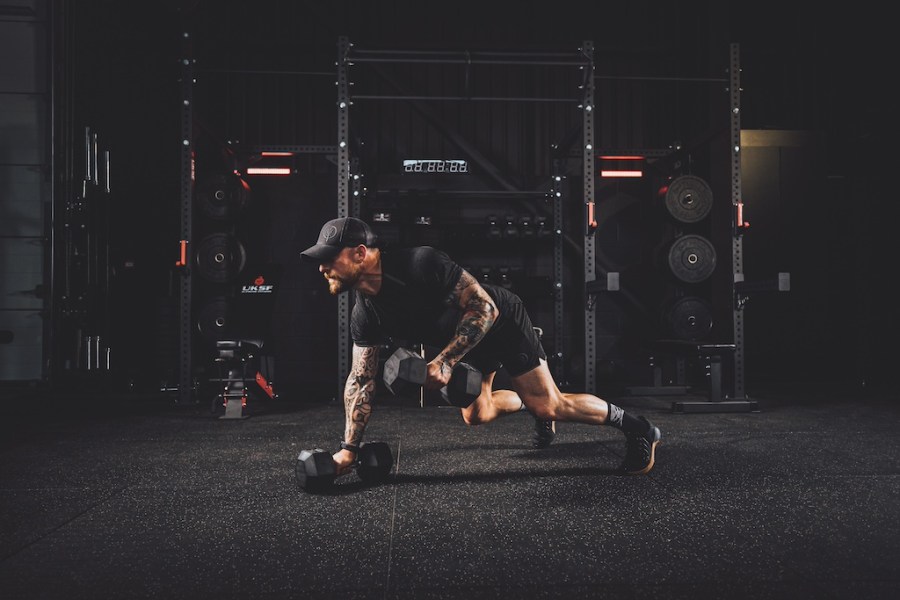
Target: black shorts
[512, 343]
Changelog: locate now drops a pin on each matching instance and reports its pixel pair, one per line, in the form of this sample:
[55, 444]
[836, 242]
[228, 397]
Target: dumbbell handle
[407, 366]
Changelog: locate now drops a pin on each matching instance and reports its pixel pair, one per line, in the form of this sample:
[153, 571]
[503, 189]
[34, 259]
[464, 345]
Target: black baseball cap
[336, 234]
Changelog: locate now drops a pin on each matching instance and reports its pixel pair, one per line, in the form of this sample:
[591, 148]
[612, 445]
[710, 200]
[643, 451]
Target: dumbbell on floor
[405, 368]
[315, 469]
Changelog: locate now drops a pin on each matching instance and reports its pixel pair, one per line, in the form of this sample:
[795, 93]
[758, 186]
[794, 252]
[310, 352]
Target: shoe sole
[653, 446]
[540, 442]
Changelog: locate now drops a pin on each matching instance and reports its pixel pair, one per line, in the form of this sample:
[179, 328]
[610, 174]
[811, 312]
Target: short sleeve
[364, 329]
[438, 269]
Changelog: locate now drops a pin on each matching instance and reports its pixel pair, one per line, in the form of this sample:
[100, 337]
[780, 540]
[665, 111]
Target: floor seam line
[390, 553]
[60, 526]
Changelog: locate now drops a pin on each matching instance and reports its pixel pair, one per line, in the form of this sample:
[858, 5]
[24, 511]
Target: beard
[338, 284]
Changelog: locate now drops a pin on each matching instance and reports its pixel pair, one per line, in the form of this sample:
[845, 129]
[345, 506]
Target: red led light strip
[614, 173]
[269, 171]
[620, 172]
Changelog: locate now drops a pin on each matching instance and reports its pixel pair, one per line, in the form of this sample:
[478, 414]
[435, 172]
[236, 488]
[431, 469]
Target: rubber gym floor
[125, 498]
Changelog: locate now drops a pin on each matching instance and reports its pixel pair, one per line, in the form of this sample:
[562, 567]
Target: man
[420, 295]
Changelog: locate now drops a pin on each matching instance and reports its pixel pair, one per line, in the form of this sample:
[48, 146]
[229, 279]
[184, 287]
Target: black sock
[618, 418]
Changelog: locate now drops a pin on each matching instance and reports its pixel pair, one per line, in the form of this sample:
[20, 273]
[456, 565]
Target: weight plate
[220, 258]
[222, 196]
[212, 320]
[689, 199]
[689, 318]
[692, 258]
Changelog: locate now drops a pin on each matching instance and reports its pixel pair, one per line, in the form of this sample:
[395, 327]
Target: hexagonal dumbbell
[316, 472]
[464, 385]
[405, 368]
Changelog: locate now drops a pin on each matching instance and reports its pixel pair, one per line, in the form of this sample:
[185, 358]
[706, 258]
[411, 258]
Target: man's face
[343, 271]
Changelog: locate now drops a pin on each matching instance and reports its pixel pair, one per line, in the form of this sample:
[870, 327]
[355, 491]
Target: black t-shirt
[414, 303]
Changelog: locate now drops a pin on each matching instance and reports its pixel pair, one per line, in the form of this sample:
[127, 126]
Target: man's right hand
[437, 374]
[343, 461]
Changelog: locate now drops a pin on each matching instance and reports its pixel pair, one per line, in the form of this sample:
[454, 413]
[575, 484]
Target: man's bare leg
[491, 404]
[544, 400]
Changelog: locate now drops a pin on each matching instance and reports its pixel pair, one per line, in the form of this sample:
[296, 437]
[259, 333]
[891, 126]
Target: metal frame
[343, 202]
[296, 149]
[558, 365]
[737, 241]
[590, 314]
[185, 326]
[347, 56]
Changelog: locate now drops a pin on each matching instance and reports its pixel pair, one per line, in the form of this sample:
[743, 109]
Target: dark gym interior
[691, 199]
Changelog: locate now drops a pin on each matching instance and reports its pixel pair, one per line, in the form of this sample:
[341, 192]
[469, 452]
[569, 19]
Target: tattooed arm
[358, 393]
[478, 315]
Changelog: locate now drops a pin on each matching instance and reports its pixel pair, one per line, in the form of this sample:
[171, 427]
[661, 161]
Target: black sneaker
[640, 450]
[544, 432]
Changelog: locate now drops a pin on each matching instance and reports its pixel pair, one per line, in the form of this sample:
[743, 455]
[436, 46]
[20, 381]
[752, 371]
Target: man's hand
[343, 462]
[437, 374]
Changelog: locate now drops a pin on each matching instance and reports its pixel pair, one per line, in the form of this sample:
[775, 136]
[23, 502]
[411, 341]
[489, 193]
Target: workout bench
[707, 354]
[234, 358]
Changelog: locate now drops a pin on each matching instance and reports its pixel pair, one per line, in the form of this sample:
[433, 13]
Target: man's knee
[473, 416]
[481, 411]
[542, 411]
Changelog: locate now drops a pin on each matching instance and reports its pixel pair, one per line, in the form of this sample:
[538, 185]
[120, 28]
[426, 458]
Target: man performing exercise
[420, 295]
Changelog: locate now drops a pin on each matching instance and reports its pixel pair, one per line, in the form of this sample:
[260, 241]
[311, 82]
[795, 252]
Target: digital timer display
[435, 166]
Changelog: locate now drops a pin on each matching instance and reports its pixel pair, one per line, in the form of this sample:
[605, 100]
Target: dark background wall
[818, 207]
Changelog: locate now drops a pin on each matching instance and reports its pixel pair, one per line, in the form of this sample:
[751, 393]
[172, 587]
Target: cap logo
[329, 233]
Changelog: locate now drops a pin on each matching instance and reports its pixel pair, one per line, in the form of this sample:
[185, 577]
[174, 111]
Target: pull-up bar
[467, 98]
[469, 58]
